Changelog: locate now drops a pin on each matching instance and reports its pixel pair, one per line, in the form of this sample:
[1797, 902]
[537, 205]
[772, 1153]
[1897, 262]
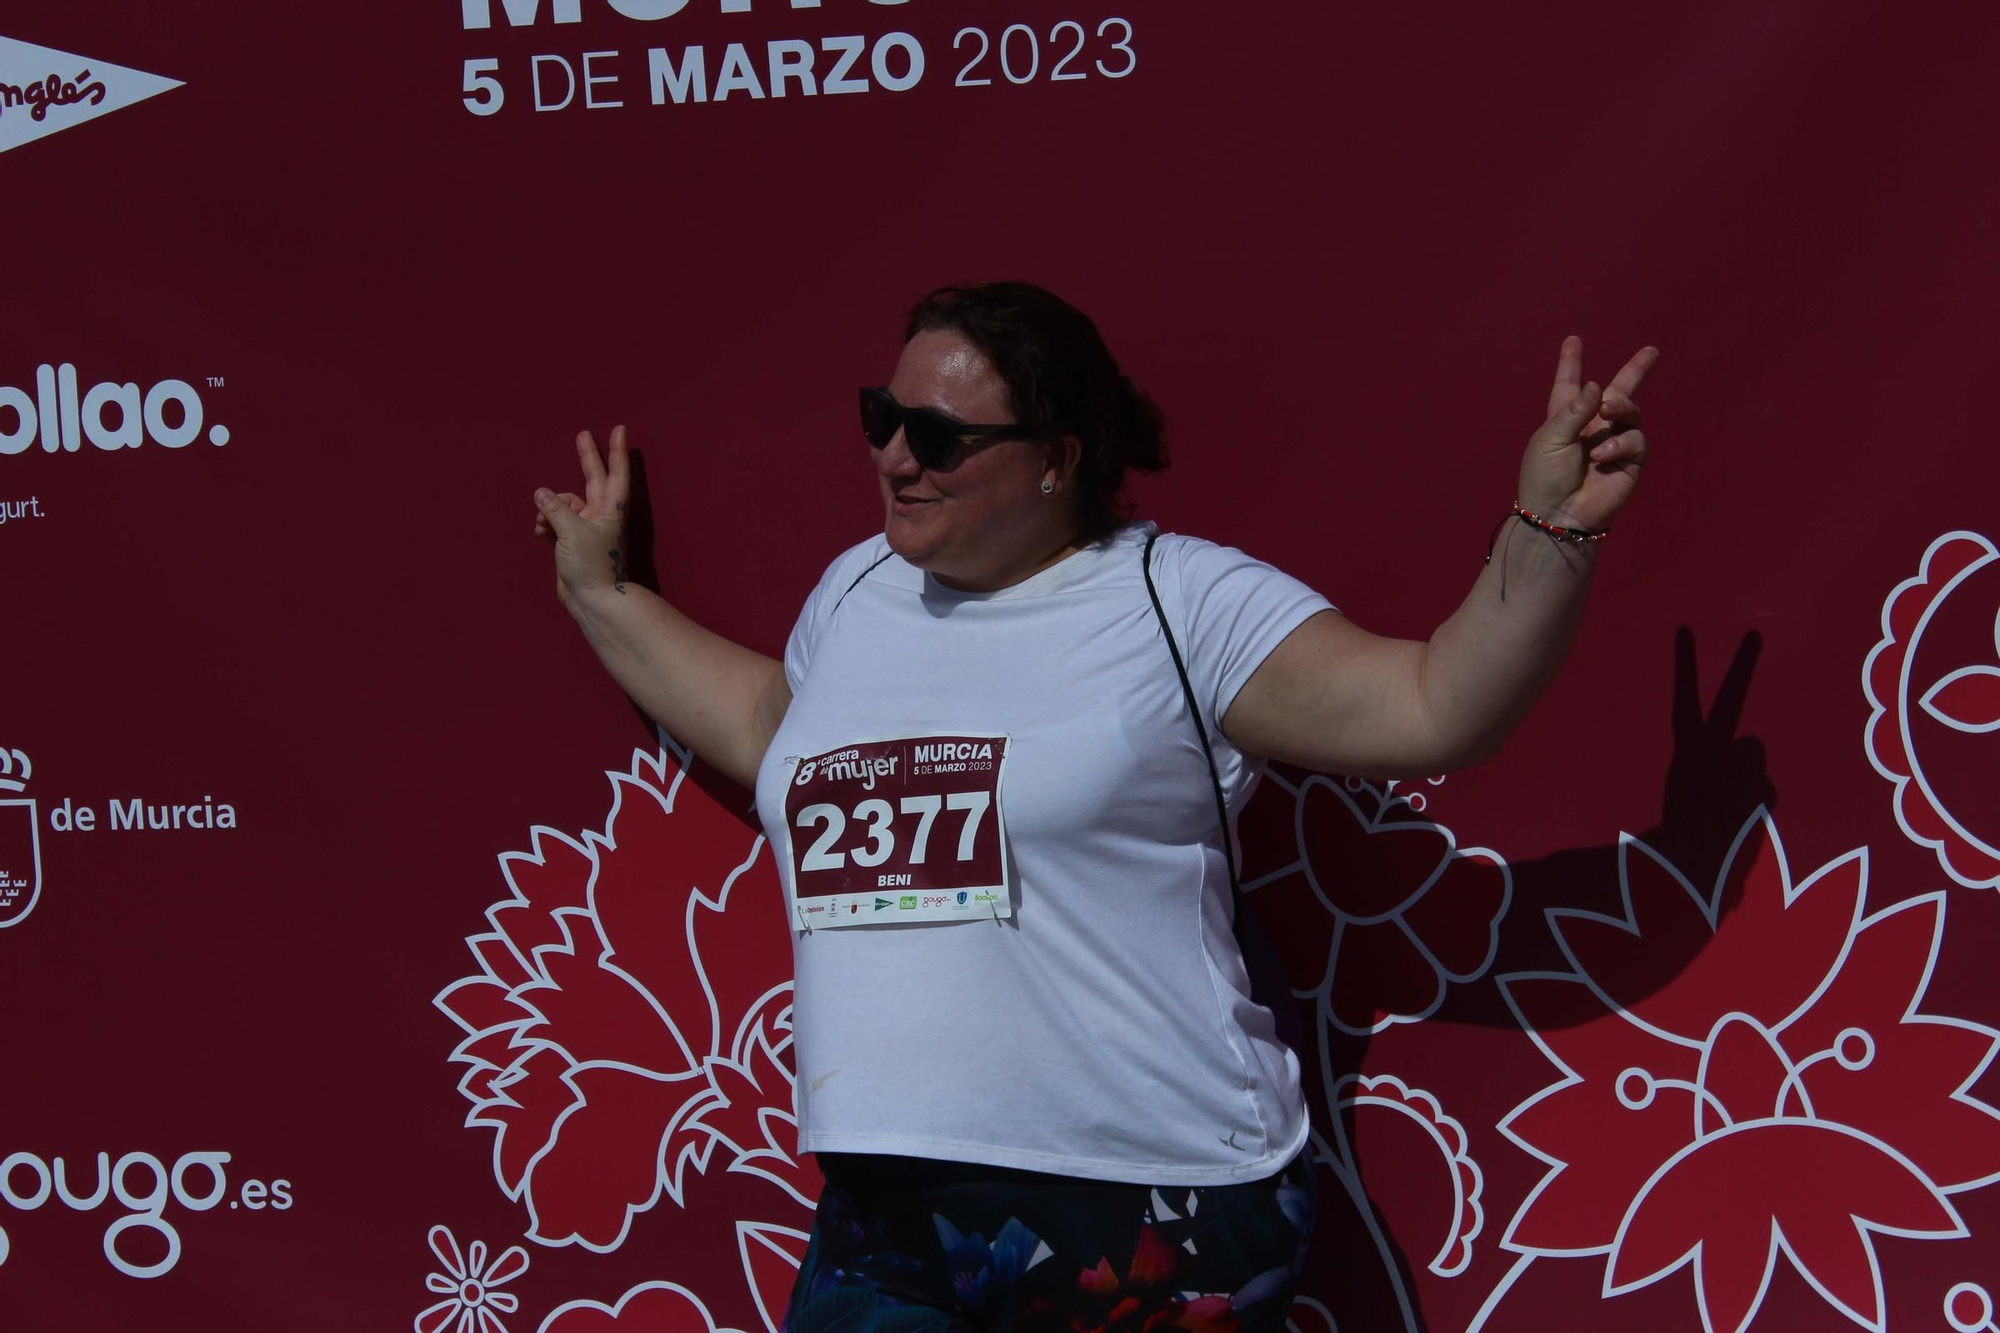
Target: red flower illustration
[1780, 1093]
[607, 1059]
[1372, 907]
[1933, 683]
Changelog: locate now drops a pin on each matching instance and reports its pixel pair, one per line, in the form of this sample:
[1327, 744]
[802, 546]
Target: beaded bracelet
[1574, 536]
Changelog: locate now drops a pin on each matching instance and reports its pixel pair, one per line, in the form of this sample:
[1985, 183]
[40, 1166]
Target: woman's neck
[1031, 563]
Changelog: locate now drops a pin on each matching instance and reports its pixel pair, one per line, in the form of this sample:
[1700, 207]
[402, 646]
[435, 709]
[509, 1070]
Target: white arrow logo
[43, 90]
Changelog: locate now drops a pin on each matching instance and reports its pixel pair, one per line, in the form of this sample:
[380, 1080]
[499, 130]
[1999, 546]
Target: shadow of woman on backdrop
[1344, 941]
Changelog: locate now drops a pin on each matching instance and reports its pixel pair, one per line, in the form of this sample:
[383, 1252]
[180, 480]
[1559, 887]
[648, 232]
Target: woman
[1007, 741]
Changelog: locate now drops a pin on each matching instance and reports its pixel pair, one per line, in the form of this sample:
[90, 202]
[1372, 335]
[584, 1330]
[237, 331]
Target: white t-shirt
[1105, 1028]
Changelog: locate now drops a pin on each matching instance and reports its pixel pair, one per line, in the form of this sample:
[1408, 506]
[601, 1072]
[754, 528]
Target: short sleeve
[1236, 610]
[847, 569]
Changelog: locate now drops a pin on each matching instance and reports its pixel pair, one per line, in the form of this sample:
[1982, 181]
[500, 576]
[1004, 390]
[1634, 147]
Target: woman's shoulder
[868, 557]
[840, 577]
[1178, 558]
[1208, 572]
[1192, 556]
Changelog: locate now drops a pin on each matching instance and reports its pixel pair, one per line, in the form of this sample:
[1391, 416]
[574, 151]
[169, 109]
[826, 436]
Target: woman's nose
[894, 459]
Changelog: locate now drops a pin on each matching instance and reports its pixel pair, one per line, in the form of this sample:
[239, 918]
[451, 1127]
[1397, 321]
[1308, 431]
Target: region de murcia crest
[20, 840]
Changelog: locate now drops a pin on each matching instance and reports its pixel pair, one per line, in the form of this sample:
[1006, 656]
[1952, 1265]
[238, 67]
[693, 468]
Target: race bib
[898, 830]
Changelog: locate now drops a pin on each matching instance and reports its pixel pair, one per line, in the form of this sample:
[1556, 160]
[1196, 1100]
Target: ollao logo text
[112, 416]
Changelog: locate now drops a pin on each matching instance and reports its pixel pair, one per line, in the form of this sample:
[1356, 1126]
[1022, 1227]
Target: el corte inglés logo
[43, 90]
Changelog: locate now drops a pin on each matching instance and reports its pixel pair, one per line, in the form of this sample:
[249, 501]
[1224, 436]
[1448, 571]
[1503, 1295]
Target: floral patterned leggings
[910, 1245]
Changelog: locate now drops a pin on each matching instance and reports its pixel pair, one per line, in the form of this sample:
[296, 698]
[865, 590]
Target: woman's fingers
[1620, 413]
[1618, 406]
[1627, 381]
[607, 479]
[618, 483]
[554, 513]
[1627, 447]
[542, 525]
[1565, 425]
[1569, 374]
[593, 466]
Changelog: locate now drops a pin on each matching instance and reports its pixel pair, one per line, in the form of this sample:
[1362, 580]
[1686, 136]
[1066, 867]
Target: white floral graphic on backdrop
[650, 1307]
[1784, 1094]
[1388, 1093]
[1934, 729]
[473, 1302]
[1374, 908]
[612, 1065]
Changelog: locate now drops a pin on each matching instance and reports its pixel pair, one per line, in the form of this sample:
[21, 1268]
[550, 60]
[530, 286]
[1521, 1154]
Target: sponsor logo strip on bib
[898, 830]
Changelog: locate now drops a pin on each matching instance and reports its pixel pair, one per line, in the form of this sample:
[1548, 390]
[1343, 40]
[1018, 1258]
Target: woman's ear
[1064, 457]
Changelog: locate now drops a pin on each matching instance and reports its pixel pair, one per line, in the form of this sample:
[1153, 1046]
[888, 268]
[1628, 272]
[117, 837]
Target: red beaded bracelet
[1575, 536]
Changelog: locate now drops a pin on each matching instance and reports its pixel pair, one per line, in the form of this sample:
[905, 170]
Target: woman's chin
[912, 537]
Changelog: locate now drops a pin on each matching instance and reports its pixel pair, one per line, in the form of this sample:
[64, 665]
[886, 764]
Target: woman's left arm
[1335, 698]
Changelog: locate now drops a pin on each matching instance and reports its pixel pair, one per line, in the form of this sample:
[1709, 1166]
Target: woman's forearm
[719, 698]
[1486, 665]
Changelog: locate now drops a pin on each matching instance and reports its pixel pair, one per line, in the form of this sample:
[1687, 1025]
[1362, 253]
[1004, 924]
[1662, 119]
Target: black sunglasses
[934, 438]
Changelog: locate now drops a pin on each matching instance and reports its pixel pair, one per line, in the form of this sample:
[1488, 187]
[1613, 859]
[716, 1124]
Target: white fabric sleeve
[1236, 609]
[820, 603]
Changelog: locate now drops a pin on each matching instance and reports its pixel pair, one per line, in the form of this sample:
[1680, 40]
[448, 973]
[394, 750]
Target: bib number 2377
[898, 831]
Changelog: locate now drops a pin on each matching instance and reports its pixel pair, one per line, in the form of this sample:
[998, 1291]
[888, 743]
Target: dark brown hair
[1061, 381]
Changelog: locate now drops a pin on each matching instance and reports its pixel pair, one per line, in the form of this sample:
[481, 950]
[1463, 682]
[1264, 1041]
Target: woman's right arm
[720, 699]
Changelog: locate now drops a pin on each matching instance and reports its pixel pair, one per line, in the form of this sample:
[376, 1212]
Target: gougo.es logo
[61, 414]
[146, 1185]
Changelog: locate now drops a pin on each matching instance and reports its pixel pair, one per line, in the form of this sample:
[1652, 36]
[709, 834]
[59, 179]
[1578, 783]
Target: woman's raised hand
[589, 530]
[1582, 466]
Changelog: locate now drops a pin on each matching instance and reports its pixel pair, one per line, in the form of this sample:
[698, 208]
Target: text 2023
[1019, 52]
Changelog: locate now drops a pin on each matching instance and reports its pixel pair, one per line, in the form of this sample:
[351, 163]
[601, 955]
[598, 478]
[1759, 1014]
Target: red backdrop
[1678, 1013]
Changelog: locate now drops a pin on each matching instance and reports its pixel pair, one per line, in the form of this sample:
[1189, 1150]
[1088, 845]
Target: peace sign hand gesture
[589, 530]
[1582, 466]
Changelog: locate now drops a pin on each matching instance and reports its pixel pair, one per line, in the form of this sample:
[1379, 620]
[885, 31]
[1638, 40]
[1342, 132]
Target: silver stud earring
[1048, 487]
